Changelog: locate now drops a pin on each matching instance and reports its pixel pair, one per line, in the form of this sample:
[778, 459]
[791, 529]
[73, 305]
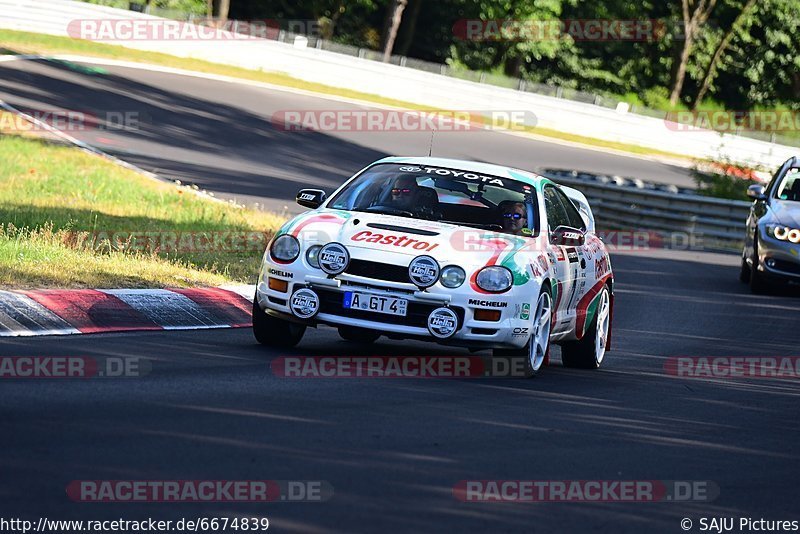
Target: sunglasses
[401, 191]
[515, 216]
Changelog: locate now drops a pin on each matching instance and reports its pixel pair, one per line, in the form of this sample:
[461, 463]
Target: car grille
[417, 313]
[378, 271]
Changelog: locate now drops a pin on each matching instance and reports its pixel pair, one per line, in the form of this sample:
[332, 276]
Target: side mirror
[564, 236]
[311, 198]
[757, 192]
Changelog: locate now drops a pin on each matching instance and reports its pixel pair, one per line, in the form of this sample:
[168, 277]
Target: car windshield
[443, 194]
[789, 188]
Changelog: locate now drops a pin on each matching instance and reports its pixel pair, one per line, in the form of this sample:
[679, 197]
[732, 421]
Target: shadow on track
[201, 140]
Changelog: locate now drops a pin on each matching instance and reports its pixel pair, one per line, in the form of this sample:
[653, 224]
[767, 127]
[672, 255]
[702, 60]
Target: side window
[556, 213]
[790, 187]
[574, 216]
[773, 183]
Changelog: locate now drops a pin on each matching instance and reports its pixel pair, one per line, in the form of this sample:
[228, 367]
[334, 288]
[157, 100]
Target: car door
[566, 260]
[579, 254]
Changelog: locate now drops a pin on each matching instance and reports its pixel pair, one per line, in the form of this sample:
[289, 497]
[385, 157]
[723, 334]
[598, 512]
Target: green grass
[68, 218]
[33, 43]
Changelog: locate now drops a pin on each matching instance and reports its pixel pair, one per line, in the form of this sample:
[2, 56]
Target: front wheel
[758, 285]
[588, 353]
[274, 332]
[535, 352]
[744, 272]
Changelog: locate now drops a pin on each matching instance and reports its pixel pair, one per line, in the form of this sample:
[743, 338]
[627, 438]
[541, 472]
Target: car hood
[786, 212]
[391, 239]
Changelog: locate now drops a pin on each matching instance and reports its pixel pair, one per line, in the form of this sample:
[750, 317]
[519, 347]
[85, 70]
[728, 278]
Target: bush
[721, 185]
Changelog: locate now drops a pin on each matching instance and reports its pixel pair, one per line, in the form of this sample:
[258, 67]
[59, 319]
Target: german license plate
[375, 303]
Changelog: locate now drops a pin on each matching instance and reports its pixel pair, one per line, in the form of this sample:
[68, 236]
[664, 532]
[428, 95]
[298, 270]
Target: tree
[722, 47]
[221, 9]
[770, 67]
[398, 6]
[521, 37]
[695, 14]
[409, 27]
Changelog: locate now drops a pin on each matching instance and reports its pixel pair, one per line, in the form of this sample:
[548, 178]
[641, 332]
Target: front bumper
[778, 259]
[511, 331]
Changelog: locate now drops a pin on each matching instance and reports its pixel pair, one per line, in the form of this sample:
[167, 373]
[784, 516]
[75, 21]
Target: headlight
[285, 248]
[452, 276]
[784, 233]
[494, 279]
[312, 255]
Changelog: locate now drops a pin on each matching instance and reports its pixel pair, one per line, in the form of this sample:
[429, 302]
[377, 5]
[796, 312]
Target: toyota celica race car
[457, 252]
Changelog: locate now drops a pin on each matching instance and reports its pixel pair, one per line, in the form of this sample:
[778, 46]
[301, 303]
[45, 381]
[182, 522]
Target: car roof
[500, 171]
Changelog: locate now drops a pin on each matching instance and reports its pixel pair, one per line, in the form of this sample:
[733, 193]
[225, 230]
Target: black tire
[744, 272]
[524, 354]
[512, 357]
[758, 284]
[358, 335]
[273, 332]
[583, 354]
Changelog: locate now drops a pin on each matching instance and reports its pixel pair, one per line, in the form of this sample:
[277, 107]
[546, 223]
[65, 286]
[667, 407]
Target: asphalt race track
[394, 448]
[219, 135]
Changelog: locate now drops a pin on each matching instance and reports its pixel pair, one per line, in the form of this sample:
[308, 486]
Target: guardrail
[410, 85]
[709, 223]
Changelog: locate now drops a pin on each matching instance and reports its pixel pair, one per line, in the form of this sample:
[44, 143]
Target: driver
[405, 193]
[514, 217]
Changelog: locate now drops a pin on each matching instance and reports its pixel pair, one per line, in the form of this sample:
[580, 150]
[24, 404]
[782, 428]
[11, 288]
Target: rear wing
[580, 202]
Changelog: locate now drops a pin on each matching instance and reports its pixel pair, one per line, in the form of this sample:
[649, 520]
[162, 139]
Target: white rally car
[457, 252]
